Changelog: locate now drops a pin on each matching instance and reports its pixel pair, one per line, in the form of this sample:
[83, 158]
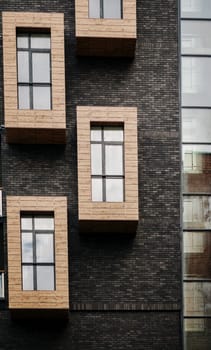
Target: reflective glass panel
[112, 8]
[97, 190]
[196, 37]
[196, 125]
[113, 160]
[197, 212]
[44, 223]
[196, 8]
[114, 190]
[197, 255]
[1, 285]
[41, 97]
[196, 77]
[23, 97]
[41, 67]
[26, 223]
[27, 276]
[197, 298]
[40, 41]
[44, 248]
[197, 332]
[96, 133]
[197, 168]
[113, 134]
[23, 67]
[22, 42]
[27, 247]
[94, 8]
[96, 159]
[45, 277]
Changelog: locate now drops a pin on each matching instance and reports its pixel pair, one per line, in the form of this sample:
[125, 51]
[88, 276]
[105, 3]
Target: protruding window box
[106, 28]
[107, 169]
[37, 255]
[34, 77]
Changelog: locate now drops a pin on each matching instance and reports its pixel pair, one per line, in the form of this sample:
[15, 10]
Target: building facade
[90, 243]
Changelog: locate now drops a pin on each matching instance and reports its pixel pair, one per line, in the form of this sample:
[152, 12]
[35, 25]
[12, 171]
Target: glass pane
[197, 212]
[112, 8]
[27, 275]
[96, 133]
[94, 8]
[42, 97]
[22, 42]
[197, 168]
[23, 67]
[41, 67]
[197, 299]
[196, 125]
[196, 37]
[97, 190]
[113, 134]
[197, 332]
[40, 41]
[196, 8]
[26, 223]
[45, 278]
[197, 254]
[44, 248]
[113, 160]
[114, 190]
[196, 76]
[96, 159]
[23, 97]
[44, 223]
[1, 285]
[27, 247]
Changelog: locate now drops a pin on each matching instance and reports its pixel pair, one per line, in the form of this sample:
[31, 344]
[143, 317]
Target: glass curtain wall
[196, 138]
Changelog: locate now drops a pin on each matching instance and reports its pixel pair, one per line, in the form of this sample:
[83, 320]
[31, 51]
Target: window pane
[23, 67]
[44, 248]
[114, 190]
[41, 97]
[197, 332]
[40, 41]
[41, 67]
[1, 285]
[112, 8]
[44, 223]
[113, 134]
[196, 214]
[96, 134]
[197, 255]
[114, 160]
[197, 299]
[197, 168]
[94, 8]
[96, 159]
[26, 223]
[27, 247]
[45, 278]
[196, 8]
[23, 97]
[196, 125]
[196, 76]
[27, 272]
[22, 42]
[97, 190]
[196, 37]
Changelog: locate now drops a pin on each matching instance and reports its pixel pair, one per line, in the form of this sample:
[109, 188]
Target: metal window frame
[103, 144]
[34, 264]
[30, 52]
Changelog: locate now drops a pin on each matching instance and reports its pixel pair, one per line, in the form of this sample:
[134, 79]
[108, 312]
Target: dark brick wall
[114, 272]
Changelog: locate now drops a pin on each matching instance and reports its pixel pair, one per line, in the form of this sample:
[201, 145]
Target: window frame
[101, 14]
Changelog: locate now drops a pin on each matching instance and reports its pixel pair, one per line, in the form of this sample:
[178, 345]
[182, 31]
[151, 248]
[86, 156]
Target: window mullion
[30, 75]
[101, 9]
[103, 167]
[34, 255]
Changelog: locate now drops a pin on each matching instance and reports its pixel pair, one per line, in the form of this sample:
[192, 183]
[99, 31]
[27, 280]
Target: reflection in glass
[197, 299]
[1, 285]
[196, 37]
[196, 8]
[112, 8]
[96, 159]
[23, 67]
[41, 97]
[96, 133]
[97, 190]
[40, 41]
[197, 333]
[26, 223]
[27, 247]
[196, 77]
[196, 168]
[94, 8]
[114, 190]
[44, 223]
[197, 212]
[196, 125]
[41, 67]
[44, 248]
[22, 41]
[197, 255]
[114, 133]
[23, 97]
[113, 160]
[45, 277]
[27, 277]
